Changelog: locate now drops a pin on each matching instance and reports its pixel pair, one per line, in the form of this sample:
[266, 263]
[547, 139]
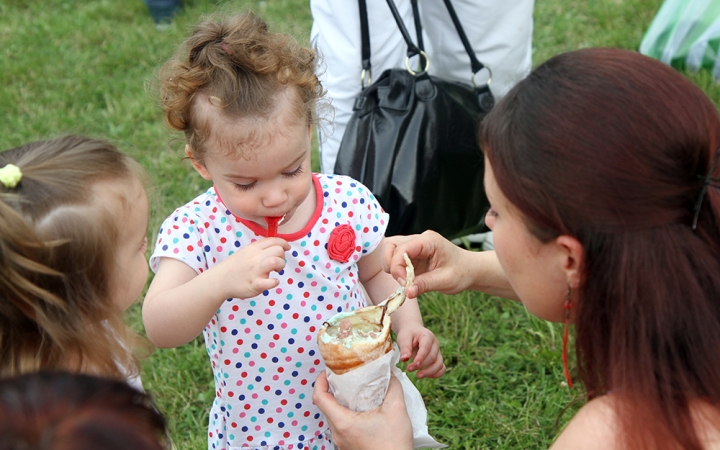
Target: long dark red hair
[610, 146]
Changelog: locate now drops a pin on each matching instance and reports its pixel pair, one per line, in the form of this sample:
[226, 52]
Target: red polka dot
[271, 303]
[263, 355]
[190, 248]
[227, 362]
[301, 350]
[295, 315]
[231, 394]
[235, 307]
[290, 281]
[350, 213]
[223, 329]
[259, 322]
[316, 243]
[239, 342]
[306, 294]
[247, 406]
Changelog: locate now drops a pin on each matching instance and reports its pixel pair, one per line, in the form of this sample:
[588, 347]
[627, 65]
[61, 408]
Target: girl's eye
[244, 187]
[295, 172]
[492, 213]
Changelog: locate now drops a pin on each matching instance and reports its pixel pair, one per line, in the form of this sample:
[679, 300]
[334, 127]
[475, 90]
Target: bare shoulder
[595, 426]
[707, 423]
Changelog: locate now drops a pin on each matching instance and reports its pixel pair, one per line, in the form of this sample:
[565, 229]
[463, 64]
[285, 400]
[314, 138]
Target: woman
[603, 175]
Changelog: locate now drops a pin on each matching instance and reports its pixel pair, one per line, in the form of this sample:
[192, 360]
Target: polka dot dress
[263, 350]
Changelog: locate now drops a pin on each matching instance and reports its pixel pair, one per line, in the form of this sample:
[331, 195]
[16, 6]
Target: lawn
[88, 67]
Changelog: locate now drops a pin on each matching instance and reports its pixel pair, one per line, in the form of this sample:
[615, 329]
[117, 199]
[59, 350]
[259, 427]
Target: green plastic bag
[686, 34]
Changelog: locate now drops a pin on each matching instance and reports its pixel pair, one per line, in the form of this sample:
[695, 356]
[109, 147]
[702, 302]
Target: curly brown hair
[239, 67]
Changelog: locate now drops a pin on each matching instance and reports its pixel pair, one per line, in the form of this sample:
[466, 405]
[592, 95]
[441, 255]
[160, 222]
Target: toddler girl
[259, 261]
[73, 225]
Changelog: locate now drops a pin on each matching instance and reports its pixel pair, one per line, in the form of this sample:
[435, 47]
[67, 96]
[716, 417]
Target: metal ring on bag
[425, 69]
[489, 80]
[363, 74]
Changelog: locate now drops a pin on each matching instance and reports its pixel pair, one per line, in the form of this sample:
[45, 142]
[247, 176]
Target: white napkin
[364, 388]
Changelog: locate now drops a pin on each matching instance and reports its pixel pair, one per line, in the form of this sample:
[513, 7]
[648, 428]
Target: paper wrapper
[364, 388]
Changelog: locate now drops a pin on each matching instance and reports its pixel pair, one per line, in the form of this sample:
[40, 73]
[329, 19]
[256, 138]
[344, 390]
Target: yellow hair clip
[10, 175]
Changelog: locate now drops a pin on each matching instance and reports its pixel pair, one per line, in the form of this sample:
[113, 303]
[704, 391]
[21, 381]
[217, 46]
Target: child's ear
[197, 165]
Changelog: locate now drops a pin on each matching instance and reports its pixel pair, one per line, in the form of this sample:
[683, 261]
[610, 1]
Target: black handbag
[412, 141]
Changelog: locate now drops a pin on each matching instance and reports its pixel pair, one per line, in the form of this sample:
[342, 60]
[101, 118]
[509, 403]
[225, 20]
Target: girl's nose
[273, 197]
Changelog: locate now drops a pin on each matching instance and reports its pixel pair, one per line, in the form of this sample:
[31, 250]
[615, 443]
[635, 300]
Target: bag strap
[475, 64]
[413, 49]
[365, 40]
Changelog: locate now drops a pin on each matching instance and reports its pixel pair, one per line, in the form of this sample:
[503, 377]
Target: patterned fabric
[263, 350]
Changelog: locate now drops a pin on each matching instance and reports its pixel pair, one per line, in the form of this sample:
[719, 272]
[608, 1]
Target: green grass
[87, 67]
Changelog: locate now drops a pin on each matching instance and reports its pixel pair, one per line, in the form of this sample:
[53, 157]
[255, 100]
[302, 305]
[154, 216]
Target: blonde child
[73, 225]
[259, 261]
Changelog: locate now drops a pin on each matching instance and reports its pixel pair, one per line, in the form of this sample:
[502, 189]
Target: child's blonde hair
[57, 246]
[240, 67]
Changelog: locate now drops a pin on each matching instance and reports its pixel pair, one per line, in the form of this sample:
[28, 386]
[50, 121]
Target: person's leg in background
[500, 33]
[336, 35]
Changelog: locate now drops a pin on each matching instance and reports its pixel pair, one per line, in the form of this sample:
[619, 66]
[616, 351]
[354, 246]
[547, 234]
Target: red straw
[272, 223]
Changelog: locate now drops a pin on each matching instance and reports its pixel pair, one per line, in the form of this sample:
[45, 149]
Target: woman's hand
[439, 264]
[444, 267]
[389, 424]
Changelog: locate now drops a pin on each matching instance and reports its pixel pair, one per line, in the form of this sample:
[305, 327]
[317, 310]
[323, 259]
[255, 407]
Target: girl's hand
[439, 264]
[390, 423]
[246, 273]
[421, 344]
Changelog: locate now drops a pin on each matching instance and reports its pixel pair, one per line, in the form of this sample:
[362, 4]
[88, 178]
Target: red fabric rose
[341, 244]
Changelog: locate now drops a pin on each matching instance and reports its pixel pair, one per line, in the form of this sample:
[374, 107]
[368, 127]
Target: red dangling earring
[568, 306]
